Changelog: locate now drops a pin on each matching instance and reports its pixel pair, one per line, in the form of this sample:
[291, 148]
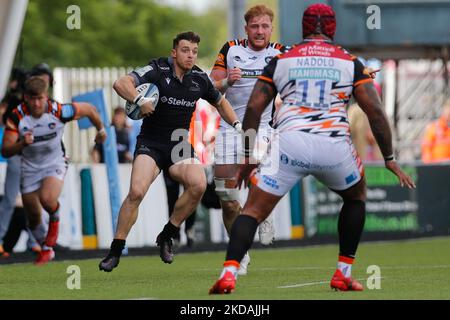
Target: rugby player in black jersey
[162, 142]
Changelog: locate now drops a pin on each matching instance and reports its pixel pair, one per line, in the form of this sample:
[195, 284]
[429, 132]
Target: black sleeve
[268, 72]
[147, 74]
[361, 73]
[12, 102]
[284, 49]
[12, 122]
[212, 95]
[221, 61]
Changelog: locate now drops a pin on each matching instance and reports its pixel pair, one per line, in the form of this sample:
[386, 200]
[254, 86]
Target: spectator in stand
[436, 141]
[119, 121]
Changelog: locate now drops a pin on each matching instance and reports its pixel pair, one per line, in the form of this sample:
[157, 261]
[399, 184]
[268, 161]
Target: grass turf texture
[412, 269]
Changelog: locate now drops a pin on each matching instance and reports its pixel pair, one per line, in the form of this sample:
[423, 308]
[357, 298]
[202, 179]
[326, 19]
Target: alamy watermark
[74, 280]
[73, 21]
[374, 20]
[374, 280]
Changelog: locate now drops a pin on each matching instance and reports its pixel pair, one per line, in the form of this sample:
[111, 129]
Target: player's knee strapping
[226, 189]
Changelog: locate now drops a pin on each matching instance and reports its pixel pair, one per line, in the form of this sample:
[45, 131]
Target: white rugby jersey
[237, 54]
[47, 149]
[315, 80]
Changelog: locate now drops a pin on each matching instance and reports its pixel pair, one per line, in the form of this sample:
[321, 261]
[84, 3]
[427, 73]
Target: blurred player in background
[235, 72]
[12, 180]
[436, 141]
[180, 83]
[34, 130]
[122, 129]
[314, 131]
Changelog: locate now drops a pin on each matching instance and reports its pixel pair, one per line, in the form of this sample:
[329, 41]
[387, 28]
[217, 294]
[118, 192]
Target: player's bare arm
[370, 103]
[88, 110]
[227, 113]
[12, 145]
[261, 96]
[223, 79]
[125, 88]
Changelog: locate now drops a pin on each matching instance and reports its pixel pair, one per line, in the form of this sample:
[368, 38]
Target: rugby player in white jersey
[315, 80]
[35, 130]
[235, 72]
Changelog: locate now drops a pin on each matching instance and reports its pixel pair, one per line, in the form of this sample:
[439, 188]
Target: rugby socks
[54, 215]
[117, 246]
[350, 227]
[232, 266]
[170, 231]
[345, 265]
[241, 238]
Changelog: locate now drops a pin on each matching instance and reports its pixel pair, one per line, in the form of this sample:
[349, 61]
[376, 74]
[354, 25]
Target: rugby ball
[148, 90]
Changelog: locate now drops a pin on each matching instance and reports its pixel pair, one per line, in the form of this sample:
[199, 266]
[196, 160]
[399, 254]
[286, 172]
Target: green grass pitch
[411, 269]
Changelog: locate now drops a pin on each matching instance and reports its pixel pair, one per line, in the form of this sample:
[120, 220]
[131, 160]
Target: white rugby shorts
[31, 181]
[332, 161]
[228, 145]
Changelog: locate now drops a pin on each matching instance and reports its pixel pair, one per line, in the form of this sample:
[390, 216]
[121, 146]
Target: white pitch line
[302, 285]
[334, 268]
[315, 283]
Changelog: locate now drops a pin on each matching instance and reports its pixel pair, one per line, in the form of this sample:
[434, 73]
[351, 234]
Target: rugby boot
[242, 271]
[3, 253]
[339, 282]
[224, 285]
[165, 248]
[44, 257]
[266, 231]
[109, 263]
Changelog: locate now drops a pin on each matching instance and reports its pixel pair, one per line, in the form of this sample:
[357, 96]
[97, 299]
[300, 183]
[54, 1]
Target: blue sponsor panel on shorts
[270, 182]
[351, 178]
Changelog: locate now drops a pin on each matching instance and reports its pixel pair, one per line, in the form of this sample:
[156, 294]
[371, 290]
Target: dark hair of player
[189, 35]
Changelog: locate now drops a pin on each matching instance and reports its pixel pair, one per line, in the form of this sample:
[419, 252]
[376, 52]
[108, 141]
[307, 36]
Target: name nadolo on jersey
[315, 62]
[177, 102]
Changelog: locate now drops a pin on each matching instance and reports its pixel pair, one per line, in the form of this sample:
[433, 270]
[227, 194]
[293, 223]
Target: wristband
[102, 130]
[389, 158]
[237, 125]
[224, 84]
[245, 153]
[138, 97]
